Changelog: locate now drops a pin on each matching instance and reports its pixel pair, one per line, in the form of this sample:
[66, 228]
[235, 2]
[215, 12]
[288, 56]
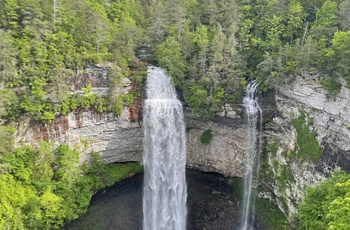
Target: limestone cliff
[119, 140]
[225, 152]
[328, 116]
[284, 174]
[115, 138]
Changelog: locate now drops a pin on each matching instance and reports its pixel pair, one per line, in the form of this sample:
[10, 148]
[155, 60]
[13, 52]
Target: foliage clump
[308, 147]
[47, 187]
[206, 137]
[331, 84]
[269, 215]
[6, 139]
[326, 206]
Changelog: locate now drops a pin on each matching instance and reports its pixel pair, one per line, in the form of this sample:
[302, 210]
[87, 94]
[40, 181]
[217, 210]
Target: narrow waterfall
[164, 157]
[254, 115]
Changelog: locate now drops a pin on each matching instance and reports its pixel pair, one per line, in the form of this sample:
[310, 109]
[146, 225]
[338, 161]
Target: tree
[210, 12]
[273, 32]
[53, 212]
[12, 196]
[169, 56]
[344, 15]
[326, 21]
[10, 104]
[43, 172]
[339, 209]
[323, 31]
[339, 54]
[158, 25]
[66, 163]
[11, 9]
[198, 67]
[218, 65]
[6, 139]
[307, 54]
[204, 105]
[229, 13]
[327, 14]
[177, 17]
[295, 20]
[326, 206]
[8, 62]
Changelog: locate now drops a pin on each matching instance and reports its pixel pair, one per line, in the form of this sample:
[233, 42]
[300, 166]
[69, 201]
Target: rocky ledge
[119, 140]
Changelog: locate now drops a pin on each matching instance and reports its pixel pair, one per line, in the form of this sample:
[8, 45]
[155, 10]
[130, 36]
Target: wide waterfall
[164, 158]
[253, 111]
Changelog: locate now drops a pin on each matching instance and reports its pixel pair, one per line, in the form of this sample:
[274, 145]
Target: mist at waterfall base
[254, 115]
[164, 158]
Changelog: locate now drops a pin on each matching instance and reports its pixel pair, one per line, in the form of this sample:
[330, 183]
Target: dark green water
[210, 205]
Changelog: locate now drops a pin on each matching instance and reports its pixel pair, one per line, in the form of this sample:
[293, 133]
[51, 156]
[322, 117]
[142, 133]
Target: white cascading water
[254, 115]
[164, 157]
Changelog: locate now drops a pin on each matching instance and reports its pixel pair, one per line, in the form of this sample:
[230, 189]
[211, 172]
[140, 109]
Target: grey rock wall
[115, 138]
[119, 140]
[331, 121]
[224, 153]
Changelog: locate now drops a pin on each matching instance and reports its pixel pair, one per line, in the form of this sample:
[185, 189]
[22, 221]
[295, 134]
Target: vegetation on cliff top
[47, 44]
[210, 49]
[208, 45]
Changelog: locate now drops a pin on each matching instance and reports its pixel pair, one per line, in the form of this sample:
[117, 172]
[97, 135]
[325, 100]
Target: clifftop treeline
[46, 43]
[211, 49]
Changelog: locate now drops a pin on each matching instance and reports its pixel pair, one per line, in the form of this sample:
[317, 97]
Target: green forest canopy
[327, 206]
[211, 49]
[47, 187]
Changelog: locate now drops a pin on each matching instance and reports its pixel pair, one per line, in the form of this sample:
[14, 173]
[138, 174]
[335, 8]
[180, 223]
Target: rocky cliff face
[284, 173]
[115, 138]
[119, 140]
[224, 153]
[287, 173]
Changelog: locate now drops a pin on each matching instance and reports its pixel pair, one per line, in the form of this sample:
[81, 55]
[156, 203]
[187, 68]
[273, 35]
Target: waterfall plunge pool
[211, 205]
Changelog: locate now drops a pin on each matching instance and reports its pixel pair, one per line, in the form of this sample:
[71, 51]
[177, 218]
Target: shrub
[331, 84]
[206, 137]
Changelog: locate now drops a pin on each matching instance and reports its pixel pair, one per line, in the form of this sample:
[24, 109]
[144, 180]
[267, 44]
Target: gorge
[122, 139]
[72, 85]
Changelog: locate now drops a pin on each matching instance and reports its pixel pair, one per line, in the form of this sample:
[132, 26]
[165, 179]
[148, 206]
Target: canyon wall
[224, 153]
[119, 140]
[115, 138]
[285, 168]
